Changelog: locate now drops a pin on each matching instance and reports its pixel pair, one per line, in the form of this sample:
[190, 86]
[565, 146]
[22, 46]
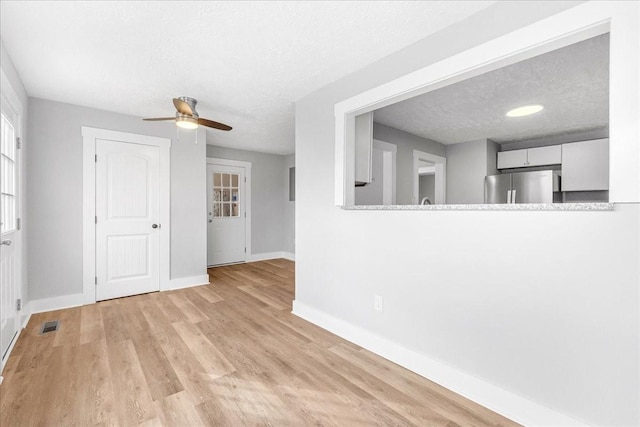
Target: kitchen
[534, 132]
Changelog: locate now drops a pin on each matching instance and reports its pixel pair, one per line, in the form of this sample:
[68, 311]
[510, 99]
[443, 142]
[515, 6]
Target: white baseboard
[499, 400]
[267, 255]
[289, 255]
[56, 303]
[188, 282]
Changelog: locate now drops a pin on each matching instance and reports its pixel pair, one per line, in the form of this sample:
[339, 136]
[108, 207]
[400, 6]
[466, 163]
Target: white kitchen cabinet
[364, 148]
[539, 156]
[585, 165]
[512, 159]
[542, 156]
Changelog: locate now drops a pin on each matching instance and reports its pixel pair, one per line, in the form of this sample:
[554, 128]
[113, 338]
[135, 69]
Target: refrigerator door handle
[508, 196]
[513, 196]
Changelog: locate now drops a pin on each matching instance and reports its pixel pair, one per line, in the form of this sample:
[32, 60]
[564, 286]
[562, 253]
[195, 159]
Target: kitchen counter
[496, 207]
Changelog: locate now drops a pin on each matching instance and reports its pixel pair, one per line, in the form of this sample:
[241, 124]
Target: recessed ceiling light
[527, 110]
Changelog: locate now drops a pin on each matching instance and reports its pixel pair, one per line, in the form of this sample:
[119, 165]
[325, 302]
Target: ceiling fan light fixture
[526, 110]
[186, 122]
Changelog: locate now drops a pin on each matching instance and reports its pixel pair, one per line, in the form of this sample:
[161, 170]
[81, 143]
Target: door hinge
[245, 179]
[18, 143]
[96, 280]
[96, 220]
[245, 250]
[18, 224]
[245, 214]
[19, 304]
[96, 158]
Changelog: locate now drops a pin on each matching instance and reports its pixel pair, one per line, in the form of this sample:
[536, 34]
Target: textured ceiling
[245, 62]
[572, 83]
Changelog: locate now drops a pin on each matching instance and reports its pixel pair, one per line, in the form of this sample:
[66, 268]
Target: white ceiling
[245, 62]
[572, 84]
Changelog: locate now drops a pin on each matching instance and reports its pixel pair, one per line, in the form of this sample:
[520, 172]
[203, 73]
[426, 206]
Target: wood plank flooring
[225, 354]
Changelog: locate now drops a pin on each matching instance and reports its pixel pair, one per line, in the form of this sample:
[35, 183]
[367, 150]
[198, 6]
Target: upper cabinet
[585, 165]
[539, 156]
[542, 156]
[364, 148]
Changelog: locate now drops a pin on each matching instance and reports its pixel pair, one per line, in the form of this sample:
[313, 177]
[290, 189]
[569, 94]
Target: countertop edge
[483, 207]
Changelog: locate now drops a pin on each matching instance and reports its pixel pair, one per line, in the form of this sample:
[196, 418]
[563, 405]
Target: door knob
[6, 242]
[154, 226]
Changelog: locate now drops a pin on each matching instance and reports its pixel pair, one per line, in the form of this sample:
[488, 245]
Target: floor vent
[50, 326]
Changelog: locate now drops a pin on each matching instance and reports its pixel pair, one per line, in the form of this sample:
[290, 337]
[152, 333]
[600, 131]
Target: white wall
[542, 304]
[267, 190]
[17, 86]
[54, 205]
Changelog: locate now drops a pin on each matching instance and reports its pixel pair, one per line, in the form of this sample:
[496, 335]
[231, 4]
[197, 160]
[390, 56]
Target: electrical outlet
[377, 303]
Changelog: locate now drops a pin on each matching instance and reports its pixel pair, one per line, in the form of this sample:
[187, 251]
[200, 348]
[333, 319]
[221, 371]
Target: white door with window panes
[9, 251]
[226, 216]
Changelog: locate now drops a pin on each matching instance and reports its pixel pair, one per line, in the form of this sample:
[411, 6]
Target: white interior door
[127, 219]
[9, 252]
[226, 204]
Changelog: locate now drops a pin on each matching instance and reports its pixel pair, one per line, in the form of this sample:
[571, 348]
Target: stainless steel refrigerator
[522, 187]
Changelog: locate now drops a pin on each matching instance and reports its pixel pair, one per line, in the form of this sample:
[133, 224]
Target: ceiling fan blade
[212, 124]
[182, 107]
[157, 119]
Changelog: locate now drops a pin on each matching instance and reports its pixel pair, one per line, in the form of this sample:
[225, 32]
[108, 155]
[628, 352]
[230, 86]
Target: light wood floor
[229, 353]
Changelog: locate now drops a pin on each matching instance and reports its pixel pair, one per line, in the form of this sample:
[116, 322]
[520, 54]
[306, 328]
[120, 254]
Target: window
[8, 170]
[225, 195]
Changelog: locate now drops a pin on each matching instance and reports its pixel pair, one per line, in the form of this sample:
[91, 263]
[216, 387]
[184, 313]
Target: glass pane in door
[226, 197]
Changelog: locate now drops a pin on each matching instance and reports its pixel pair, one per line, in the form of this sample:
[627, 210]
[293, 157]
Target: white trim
[57, 303]
[4, 361]
[188, 282]
[289, 255]
[89, 136]
[270, 255]
[247, 192]
[571, 26]
[440, 170]
[497, 399]
[12, 100]
[389, 167]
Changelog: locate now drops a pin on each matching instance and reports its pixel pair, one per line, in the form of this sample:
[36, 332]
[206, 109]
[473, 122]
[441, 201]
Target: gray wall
[289, 211]
[565, 335]
[492, 158]
[267, 191]
[466, 169]
[15, 82]
[427, 187]
[406, 143]
[54, 205]
[372, 193]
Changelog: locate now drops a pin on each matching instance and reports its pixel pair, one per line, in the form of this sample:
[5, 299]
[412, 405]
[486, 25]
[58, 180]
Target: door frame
[440, 197]
[89, 136]
[10, 97]
[247, 194]
[389, 155]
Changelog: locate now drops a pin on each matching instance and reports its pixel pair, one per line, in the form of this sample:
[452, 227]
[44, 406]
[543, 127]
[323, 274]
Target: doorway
[126, 214]
[429, 164]
[228, 211]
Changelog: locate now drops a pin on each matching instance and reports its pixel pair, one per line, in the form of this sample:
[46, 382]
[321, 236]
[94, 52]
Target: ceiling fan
[187, 117]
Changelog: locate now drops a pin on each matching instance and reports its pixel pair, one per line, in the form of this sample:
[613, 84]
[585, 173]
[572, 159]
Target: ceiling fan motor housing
[192, 104]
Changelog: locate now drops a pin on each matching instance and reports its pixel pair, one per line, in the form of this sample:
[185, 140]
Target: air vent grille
[51, 326]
